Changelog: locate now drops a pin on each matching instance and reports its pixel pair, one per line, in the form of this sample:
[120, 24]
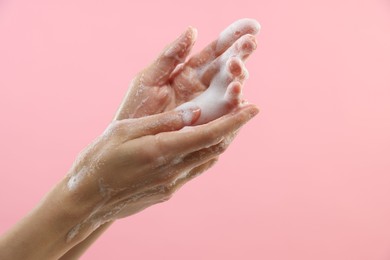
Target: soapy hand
[139, 162]
[146, 153]
[212, 79]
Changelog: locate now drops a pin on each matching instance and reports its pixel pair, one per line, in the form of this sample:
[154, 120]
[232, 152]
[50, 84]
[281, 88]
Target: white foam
[235, 28]
[187, 112]
[215, 102]
[212, 102]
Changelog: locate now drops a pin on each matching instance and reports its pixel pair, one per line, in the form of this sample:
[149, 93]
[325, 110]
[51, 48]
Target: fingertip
[255, 111]
[248, 43]
[233, 93]
[256, 26]
[236, 88]
[253, 25]
[193, 32]
[174, 53]
[180, 48]
[251, 109]
[235, 66]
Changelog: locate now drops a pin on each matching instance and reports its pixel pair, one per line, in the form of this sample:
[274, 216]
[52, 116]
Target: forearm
[42, 233]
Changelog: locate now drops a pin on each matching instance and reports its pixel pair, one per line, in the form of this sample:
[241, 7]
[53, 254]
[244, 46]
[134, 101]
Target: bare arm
[77, 251]
[87, 201]
[143, 155]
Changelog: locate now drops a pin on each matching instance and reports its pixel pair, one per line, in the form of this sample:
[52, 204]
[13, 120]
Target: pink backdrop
[308, 179]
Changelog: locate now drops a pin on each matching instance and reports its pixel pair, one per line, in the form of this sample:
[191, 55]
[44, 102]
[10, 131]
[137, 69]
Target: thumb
[165, 122]
[176, 52]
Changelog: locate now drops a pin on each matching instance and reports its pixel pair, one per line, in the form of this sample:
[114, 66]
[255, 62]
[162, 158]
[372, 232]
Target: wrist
[43, 233]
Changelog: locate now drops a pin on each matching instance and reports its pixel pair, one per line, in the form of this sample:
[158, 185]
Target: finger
[235, 66]
[159, 71]
[195, 172]
[172, 144]
[180, 167]
[233, 95]
[229, 78]
[151, 125]
[166, 189]
[242, 48]
[232, 70]
[237, 69]
[202, 156]
[171, 185]
[234, 56]
[226, 38]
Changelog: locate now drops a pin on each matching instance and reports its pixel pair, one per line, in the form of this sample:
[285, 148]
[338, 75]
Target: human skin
[130, 167]
[169, 81]
[101, 197]
[189, 80]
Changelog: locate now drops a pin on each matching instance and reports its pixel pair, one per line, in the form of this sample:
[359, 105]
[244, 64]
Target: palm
[170, 81]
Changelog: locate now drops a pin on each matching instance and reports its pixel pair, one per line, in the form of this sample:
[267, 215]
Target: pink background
[309, 178]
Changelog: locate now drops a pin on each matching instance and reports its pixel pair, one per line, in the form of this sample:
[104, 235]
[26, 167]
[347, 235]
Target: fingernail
[190, 113]
[196, 115]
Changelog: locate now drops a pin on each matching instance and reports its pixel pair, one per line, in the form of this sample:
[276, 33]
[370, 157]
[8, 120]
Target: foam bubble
[212, 101]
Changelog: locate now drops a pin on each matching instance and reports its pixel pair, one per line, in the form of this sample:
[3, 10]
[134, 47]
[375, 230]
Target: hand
[136, 163]
[168, 82]
[180, 82]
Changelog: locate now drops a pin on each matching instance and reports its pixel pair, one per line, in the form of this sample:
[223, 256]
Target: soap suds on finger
[187, 112]
[214, 102]
[227, 36]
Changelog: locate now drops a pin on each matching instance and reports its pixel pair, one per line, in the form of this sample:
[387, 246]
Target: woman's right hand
[139, 162]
